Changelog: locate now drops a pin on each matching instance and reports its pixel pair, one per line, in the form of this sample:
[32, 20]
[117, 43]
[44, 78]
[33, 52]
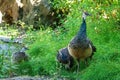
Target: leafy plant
[6, 66]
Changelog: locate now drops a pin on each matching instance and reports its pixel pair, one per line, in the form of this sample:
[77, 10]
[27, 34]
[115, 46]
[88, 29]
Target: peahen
[20, 56]
[64, 58]
[80, 47]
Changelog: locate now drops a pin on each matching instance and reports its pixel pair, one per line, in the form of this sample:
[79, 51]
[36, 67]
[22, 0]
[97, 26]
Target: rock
[10, 40]
[37, 10]
[6, 49]
[5, 39]
[34, 78]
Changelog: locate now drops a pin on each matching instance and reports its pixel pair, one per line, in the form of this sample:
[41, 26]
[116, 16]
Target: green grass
[104, 33]
[105, 64]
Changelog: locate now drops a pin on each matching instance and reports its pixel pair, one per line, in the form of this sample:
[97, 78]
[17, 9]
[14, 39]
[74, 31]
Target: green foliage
[44, 51]
[104, 70]
[6, 66]
[102, 29]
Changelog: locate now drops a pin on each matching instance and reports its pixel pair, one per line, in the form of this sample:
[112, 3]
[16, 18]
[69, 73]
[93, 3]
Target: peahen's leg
[86, 61]
[78, 65]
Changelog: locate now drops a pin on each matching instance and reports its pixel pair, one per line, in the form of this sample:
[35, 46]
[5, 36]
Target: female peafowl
[20, 56]
[80, 47]
[64, 58]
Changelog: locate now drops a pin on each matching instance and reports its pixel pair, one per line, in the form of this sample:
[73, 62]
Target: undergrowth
[102, 29]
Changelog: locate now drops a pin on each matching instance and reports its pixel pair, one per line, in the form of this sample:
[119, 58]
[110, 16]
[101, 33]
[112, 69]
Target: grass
[105, 61]
[103, 32]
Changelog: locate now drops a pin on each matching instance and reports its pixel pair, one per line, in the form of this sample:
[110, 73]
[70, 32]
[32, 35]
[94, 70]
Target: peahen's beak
[86, 13]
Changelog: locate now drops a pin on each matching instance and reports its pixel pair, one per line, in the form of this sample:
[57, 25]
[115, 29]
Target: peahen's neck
[82, 31]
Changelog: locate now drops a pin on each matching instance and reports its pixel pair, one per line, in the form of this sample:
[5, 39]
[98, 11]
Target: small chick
[20, 56]
[64, 57]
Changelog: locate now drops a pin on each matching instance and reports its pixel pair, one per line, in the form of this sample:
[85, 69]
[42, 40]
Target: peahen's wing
[79, 43]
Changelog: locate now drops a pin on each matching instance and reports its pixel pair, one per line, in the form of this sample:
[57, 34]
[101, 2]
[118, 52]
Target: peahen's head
[85, 14]
[24, 49]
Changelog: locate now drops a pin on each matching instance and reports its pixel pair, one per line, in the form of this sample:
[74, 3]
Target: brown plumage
[80, 53]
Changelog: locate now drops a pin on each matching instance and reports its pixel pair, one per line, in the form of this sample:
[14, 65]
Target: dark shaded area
[20, 13]
[54, 18]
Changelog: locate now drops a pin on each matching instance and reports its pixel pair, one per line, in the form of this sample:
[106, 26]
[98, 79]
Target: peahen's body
[80, 47]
